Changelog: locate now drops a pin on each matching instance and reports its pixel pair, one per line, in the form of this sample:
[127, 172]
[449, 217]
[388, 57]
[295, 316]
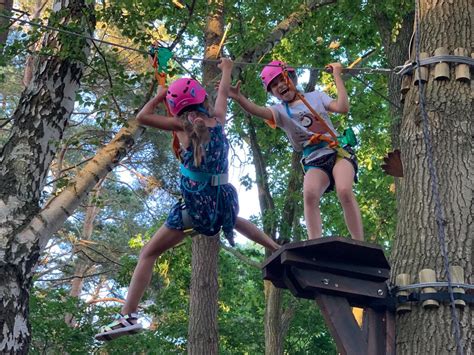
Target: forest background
[84, 265]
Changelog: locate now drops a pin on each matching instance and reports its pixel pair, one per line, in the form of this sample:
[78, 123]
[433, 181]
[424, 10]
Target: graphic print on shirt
[308, 121]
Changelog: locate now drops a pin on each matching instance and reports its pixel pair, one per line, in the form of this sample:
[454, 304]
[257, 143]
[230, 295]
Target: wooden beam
[342, 285]
[349, 269]
[337, 313]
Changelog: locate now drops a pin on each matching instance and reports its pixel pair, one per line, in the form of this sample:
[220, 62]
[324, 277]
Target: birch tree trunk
[203, 336]
[449, 107]
[39, 123]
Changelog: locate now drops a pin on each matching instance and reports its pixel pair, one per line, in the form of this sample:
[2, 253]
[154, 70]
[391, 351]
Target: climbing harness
[216, 180]
[199, 176]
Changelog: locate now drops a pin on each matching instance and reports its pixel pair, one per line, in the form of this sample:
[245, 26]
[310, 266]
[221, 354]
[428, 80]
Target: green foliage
[51, 334]
[114, 86]
[308, 333]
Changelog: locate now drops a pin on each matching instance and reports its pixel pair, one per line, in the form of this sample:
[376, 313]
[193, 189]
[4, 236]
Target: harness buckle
[219, 179]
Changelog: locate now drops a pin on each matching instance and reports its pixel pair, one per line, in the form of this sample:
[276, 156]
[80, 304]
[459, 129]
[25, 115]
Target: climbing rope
[434, 184]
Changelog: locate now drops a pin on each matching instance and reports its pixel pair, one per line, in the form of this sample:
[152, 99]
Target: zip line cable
[434, 184]
[142, 51]
[351, 71]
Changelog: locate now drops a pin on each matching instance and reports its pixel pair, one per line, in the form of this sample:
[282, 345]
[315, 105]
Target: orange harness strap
[317, 137]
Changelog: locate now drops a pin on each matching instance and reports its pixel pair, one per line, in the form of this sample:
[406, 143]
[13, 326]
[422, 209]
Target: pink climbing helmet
[271, 71]
[184, 92]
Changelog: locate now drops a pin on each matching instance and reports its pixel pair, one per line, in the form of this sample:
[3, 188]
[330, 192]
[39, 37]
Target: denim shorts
[326, 163]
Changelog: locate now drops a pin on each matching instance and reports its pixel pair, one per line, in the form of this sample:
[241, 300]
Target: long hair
[197, 132]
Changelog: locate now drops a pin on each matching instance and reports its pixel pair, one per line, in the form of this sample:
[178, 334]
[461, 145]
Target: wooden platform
[334, 265]
[339, 273]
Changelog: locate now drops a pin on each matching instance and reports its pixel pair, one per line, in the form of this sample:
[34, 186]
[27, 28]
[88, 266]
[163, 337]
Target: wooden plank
[290, 257]
[275, 276]
[274, 257]
[342, 325]
[341, 249]
[389, 333]
[376, 332]
[340, 285]
[294, 286]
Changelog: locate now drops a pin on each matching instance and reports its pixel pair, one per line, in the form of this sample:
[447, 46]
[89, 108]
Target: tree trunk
[273, 326]
[273, 296]
[5, 9]
[417, 245]
[39, 122]
[28, 72]
[203, 337]
[82, 265]
[277, 319]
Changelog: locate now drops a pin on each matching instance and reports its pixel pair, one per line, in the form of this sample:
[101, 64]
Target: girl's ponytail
[198, 135]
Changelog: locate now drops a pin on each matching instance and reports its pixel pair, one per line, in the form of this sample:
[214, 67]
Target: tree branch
[241, 256]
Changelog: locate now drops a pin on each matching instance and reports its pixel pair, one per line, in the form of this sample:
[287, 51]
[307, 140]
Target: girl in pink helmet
[210, 202]
[324, 167]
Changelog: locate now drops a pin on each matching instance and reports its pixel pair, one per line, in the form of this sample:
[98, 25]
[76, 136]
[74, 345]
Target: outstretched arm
[341, 104]
[220, 108]
[148, 117]
[247, 105]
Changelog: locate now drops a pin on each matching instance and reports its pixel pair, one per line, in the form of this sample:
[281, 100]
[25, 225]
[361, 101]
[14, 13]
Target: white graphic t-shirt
[300, 125]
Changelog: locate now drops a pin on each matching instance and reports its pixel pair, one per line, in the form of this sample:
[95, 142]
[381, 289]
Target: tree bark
[39, 123]
[203, 337]
[417, 245]
[5, 9]
[28, 72]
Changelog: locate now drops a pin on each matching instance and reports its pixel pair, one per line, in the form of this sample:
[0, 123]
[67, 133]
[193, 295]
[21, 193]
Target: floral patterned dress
[210, 207]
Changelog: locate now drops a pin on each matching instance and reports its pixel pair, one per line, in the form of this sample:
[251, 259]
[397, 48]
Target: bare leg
[164, 239]
[250, 230]
[343, 173]
[315, 183]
